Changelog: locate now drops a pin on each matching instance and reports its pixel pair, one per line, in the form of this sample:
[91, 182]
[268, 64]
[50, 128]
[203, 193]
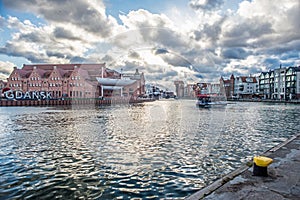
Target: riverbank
[265, 100]
[283, 181]
[71, 102]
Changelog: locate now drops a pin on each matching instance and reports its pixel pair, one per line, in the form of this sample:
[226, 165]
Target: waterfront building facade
[179, 88]
[189, 91]
[245, 87]
[72, 80]
[280, 84]
[227, 87]
[214, 88]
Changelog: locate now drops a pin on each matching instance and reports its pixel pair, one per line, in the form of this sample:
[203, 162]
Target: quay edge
[225, 190]
[266, 101]
[66, 102]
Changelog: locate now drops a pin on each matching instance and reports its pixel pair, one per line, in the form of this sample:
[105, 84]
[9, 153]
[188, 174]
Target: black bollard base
[259, 171]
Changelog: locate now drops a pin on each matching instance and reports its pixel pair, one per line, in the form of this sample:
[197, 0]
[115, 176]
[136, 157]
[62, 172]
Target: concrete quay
[83, 101]
[283, 181]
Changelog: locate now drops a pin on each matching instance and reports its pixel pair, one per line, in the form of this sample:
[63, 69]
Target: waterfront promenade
[283, 181]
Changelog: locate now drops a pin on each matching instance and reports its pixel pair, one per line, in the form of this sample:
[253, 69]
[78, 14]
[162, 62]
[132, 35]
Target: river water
[156, 150]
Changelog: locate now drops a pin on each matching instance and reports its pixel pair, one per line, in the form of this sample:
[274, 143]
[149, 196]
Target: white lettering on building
[10, 94]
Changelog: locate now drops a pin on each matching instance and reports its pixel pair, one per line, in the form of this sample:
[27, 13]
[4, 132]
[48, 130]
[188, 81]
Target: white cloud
[5, 69]
[261, 33]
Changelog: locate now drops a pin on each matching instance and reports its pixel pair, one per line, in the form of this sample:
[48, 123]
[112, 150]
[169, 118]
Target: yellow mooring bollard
[260, 167]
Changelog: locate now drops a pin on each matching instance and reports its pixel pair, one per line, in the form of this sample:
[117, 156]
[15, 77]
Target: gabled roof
[244, 79]
[40, 72]
[23, 73]
[88, 71]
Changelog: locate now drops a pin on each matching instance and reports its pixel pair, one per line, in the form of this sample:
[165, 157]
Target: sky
[168, 40]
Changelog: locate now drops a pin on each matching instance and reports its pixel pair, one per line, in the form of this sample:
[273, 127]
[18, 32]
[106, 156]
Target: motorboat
[208, 101]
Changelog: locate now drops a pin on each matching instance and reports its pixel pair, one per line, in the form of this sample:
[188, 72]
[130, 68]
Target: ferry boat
[207, 101]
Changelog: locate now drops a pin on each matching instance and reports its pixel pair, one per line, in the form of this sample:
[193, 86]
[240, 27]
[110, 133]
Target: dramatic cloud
[62, 33]
[87, 15]
[206, 5]
[199, 40]
[234, 53]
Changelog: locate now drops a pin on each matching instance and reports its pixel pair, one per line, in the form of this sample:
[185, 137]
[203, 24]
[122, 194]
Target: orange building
[69, 80]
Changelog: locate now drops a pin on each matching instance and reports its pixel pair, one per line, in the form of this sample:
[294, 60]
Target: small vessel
[207, 101]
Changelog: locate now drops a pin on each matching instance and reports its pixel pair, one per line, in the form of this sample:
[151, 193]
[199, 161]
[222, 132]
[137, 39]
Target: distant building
[227, 87]
[281, 83]
[122, 84]
[213, 88]
[189, 91]
[152, 91]
[245, 87]
[179, 88]
[74, 81]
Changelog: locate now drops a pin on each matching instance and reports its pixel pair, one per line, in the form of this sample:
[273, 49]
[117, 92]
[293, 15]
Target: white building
[280, 83]
[245, 87]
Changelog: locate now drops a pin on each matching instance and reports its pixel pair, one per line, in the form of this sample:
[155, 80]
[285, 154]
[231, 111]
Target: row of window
[14, 78]
[76, 84]
[50, 85]
[75, 77]
[38, 78]
[35, 78]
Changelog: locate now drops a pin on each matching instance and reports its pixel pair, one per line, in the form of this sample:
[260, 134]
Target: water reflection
[163, 149]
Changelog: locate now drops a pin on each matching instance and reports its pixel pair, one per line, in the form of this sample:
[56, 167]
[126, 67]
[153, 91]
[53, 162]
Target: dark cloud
[251, 29]
[206, 5]
[134, 54]
[32, 37]
[234, 53]
[55, 54]
[62, 33]
[107, 58]
[281, 47]
[176, 60]
[78, 59]
[160, 51]
[162, 36]
[77, 12]
[239, 34]
[199, 76]
[290, 55]
[12, 49]
[272, 63]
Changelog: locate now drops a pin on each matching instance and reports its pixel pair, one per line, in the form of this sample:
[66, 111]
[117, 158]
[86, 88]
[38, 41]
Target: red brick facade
[68, 80]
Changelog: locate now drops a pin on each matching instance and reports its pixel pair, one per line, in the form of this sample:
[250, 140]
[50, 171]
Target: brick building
[227, 86]
[69, 80]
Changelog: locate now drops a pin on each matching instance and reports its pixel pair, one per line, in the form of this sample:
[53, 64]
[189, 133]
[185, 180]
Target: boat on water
[207, 101]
